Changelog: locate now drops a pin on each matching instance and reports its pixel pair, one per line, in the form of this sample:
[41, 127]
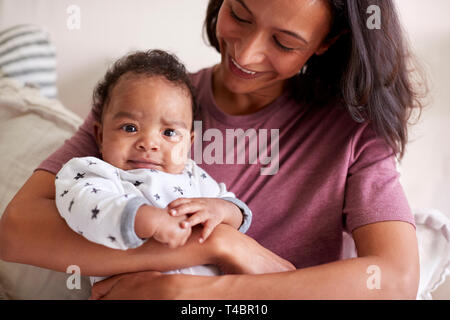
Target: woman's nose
[250, 50]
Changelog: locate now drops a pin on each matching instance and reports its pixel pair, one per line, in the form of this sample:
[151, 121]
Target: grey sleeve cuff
[246, 213]
[130, 239]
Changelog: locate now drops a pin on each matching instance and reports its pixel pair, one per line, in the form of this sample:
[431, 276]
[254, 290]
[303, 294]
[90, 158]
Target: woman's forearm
[32, 232]
[387, 268]
[341, 280]
[346, 279]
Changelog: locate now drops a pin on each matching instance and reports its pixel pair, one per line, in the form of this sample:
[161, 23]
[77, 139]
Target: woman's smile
[240, 71]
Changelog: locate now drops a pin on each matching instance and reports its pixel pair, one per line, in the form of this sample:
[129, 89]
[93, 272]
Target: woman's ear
[327, 43]
[98, 132]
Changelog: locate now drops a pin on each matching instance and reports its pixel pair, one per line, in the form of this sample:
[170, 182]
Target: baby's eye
[170, 133]
[129, 128]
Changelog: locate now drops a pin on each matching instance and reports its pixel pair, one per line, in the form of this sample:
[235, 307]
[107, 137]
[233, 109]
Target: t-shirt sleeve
[373, 190]
[81, 144]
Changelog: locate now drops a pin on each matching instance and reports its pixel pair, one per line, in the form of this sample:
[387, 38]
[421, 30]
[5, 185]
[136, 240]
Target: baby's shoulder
[88, 162]
[199, 174]
[90, 167]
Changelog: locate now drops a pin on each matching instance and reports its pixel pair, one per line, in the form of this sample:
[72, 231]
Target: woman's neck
[241, 104]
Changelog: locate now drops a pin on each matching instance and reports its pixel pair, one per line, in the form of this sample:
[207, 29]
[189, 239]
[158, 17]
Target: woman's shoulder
[330, 116]
[334, 124]
[201, 77]
[360, 134]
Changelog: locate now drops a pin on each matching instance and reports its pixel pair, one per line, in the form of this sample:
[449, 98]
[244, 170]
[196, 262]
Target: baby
[145, 186]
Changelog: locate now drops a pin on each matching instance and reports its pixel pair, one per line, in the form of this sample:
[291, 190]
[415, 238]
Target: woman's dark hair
[365, 69]
[150, 63]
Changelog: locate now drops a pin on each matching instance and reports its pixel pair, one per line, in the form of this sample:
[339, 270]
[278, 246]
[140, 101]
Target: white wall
[109, 29]
[426, 166]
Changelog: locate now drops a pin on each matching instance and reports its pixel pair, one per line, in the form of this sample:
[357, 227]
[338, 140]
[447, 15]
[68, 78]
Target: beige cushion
[31, 128]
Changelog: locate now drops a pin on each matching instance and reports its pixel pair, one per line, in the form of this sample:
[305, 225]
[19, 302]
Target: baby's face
[147, 124]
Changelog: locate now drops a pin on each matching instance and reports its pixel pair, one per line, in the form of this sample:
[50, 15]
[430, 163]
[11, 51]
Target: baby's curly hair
[146, 63]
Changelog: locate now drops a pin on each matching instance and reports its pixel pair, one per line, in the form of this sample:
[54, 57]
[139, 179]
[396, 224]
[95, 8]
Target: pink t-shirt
[323, 173]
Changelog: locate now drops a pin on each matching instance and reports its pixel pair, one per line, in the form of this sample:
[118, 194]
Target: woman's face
[264, 42]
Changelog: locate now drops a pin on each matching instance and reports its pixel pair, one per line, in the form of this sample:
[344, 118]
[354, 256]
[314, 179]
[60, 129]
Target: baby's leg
[96, 279]
[204, 270]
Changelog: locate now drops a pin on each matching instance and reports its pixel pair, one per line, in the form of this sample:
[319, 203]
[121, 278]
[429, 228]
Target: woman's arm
[32, 232]
[389, 248]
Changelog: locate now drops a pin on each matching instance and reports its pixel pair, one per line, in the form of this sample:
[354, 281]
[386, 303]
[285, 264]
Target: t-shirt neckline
[228, 119]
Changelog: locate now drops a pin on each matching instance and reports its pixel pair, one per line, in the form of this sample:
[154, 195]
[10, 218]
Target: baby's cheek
[179, 155]
[114, 154]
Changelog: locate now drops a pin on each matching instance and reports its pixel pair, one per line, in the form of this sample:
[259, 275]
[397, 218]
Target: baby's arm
[92, 200]
[216, 206]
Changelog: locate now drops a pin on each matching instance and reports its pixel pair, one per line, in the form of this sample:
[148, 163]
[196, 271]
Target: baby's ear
[98, 132]
[192, 137]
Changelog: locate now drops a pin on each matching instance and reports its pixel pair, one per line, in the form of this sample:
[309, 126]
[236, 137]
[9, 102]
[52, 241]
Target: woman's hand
[234, 253]
[127, 286]
[238, 253]
[151, 285]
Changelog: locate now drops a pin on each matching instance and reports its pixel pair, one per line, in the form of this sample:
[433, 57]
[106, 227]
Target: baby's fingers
[185, 208]
[177, 202]
[197, 218]
[179, 238]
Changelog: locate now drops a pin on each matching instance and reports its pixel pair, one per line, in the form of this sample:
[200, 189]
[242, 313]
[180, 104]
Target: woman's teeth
[242, 69]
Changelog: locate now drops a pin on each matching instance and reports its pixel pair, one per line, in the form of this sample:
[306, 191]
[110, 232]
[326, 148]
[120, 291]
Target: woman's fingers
[100, 289]
[132, 286]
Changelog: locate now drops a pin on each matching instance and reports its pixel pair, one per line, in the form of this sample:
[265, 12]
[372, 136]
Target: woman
[339, 95]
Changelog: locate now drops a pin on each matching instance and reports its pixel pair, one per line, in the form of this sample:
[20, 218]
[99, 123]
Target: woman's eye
[170, 133]
[129, 128]
[235, 17]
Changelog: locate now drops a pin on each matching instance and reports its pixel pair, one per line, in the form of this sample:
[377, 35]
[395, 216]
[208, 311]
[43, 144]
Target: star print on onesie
[104, 199]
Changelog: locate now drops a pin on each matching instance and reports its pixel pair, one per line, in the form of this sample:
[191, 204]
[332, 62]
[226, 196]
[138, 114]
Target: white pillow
[433, 238]
[27, 55]
[31, 128]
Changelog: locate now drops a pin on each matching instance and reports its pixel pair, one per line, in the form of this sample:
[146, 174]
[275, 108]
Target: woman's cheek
[226, 28]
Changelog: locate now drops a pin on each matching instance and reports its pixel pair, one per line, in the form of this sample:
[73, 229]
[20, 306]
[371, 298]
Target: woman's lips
[240, 71]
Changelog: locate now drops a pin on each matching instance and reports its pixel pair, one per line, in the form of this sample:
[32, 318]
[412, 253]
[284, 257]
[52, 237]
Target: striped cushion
[27, 55]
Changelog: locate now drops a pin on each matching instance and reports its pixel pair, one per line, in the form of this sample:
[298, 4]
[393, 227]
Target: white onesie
[100, 201]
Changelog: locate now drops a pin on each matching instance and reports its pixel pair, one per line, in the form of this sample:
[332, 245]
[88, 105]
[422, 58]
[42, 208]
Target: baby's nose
[147, 144]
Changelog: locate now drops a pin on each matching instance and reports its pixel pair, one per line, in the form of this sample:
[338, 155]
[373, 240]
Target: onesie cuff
[246, 213]
[130, 239]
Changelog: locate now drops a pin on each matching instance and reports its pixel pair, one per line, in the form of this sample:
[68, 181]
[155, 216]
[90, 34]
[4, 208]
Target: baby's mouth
[144, 164]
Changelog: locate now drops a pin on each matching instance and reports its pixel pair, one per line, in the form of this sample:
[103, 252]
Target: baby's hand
[168, 229]
[157, 223]
[208, 211]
